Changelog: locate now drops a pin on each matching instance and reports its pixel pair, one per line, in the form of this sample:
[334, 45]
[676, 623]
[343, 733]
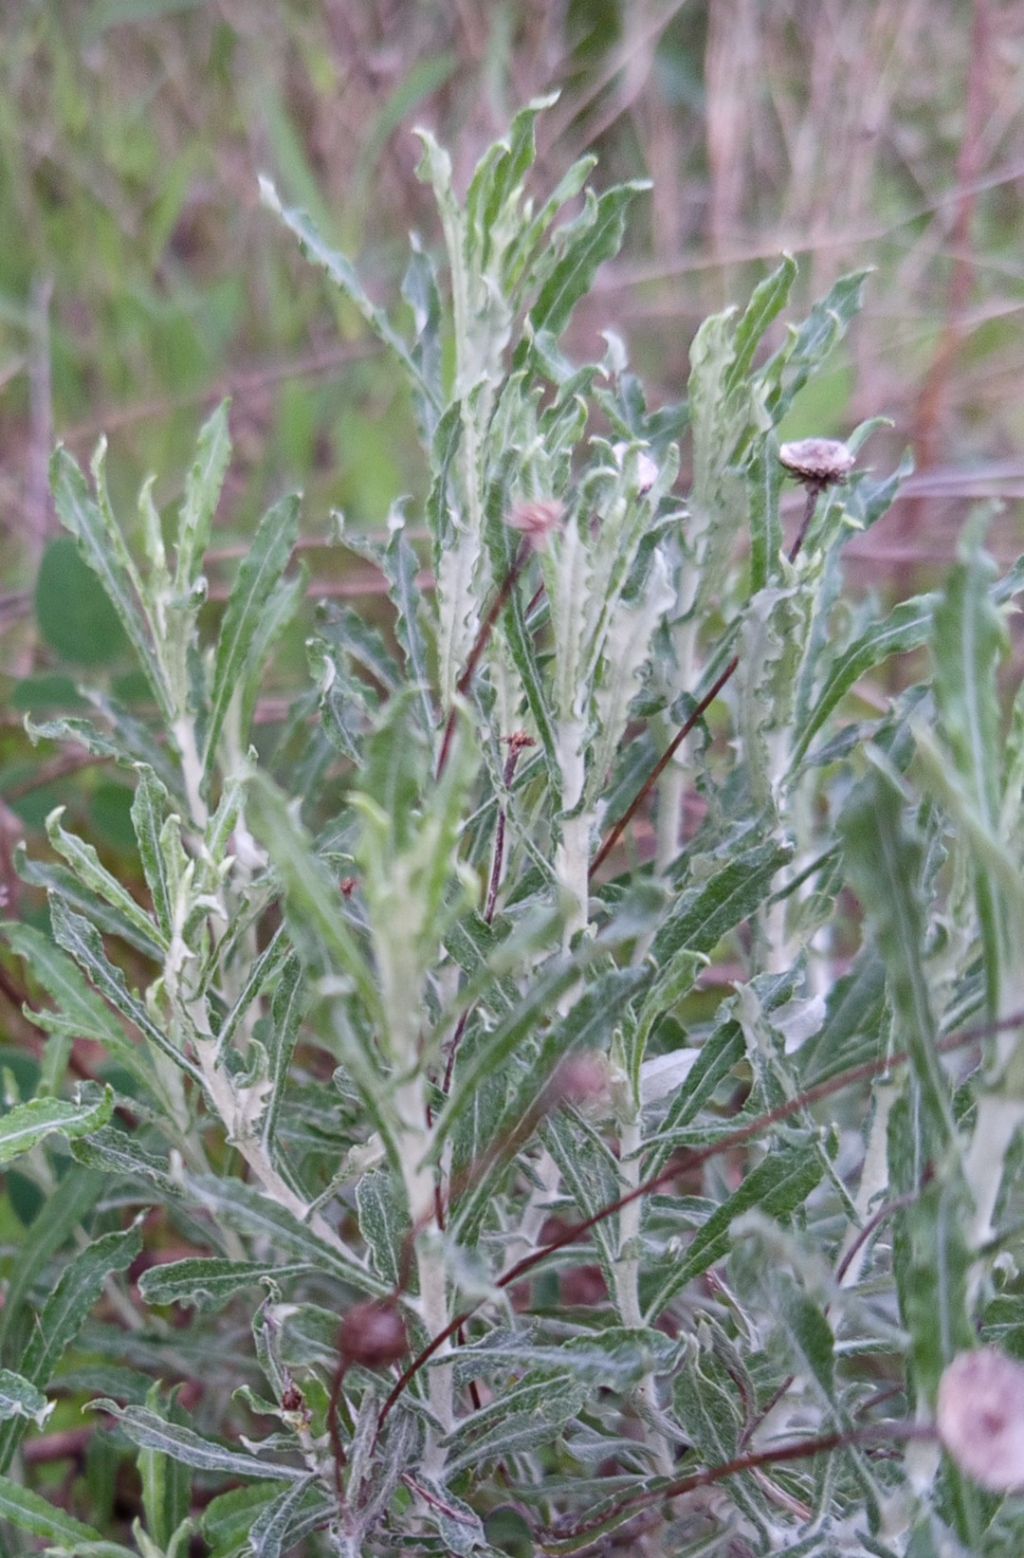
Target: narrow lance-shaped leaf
[259, 574]
[79, 1286]
[593, 237]
[166, 1484]
[81, 1013]
[82, 941]
[202, 1282]
[104, 550]
[776, 1187]
[85, 863]
[767, 301]
[153, 1432]
[907, 627]
[150, 807]
[20, 1398]
[344, 276]
[885, 857]
[246, 1208]
[968, 643]
[311, 896]
[24, 1126]
[202, 494]
[43, 1518]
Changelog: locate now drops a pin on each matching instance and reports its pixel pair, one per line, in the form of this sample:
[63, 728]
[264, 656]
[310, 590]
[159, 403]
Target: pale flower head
[980, 1418]
[819, 461]
[536, 519]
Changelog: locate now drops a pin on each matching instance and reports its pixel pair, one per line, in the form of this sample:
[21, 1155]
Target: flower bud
[537, 519]
[822, 462]
[373, 1334]
[582, 1079]
[646, 468]
[980, 1418]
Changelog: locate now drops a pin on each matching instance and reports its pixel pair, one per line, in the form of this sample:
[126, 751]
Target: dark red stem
[486, 628]
[693, 1158]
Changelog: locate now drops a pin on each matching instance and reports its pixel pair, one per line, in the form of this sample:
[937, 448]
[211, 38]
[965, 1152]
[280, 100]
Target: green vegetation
[526, 1058]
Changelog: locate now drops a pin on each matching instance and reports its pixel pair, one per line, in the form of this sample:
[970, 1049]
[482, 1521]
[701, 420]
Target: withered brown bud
[980, 1418]
[537, 519]
[373, 1334]
[822, 462]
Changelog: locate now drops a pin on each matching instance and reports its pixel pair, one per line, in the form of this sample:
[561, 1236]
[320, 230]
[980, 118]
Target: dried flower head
[537, 519]
[980, 1418]
[821, 462]
[373, 1334]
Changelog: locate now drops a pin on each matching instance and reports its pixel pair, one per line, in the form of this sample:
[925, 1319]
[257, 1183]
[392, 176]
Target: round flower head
[980, 1418]
[537, 519]
[819, 461]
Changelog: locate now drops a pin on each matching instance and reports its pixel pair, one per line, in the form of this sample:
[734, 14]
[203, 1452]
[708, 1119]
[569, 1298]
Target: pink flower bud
[980, 1418]
[537, 519]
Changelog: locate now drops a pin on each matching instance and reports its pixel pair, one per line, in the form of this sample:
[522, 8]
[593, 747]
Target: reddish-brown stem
[814, 491]
[494, 611]
[898, 1204]
[334, 1427]
[794, 1450]
[656, 772]
[694, 1158]
[516, 743]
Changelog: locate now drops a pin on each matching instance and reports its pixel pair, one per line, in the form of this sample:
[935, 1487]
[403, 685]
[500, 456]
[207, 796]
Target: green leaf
[20, 1398]
[74, 615]
[582, 247]
[103, 548]
[313, 900]
[248, 1210]
[968, 643]
[85, 863]
[43, 1518]
[298, 1510]
[885, 856]
[259, 575]
[520, 1419]
[153, 1432]
[166, 1485]
[229, 1519]
[49, 1229]
[150, 808]
[63, 884]
[775, 1187]
[60, 1319]
[344, 276]
[765, 477]
[907, 627]
[202, 494]
[81, 1012]
[702, 915]
[383, 1222]
[115, 1152]
[767, 301]
[211, 1283]
[24, 1126]
[83, 942]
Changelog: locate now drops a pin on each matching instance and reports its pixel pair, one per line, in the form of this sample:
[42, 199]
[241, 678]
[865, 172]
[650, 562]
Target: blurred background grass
[140, 279]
